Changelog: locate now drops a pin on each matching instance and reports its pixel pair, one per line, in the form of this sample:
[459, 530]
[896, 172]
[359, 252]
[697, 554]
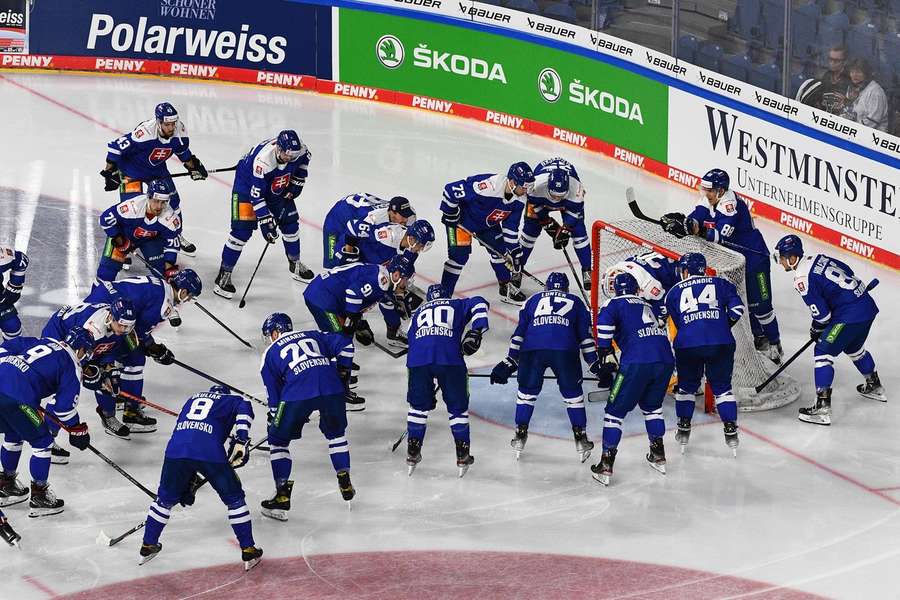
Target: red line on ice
[56, 102]
[39, 585]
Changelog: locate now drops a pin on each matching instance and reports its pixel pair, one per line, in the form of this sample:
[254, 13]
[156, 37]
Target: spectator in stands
[829, 93]
[867, 104]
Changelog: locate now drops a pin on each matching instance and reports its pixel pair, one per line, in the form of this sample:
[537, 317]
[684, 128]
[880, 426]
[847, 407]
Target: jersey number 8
[200, 408]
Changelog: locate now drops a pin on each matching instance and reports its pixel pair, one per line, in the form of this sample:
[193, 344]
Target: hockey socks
[416, 423]
[459, 426]
[234, 245]
[10, 452]
[524, 408]
[684, 404]
[280, 457]
[39, 465]
[653, 421]
[726, 406]
[863, 362]
[575, 410]
[157, 518]
[239, 519]
[339, 452]
[612, 431]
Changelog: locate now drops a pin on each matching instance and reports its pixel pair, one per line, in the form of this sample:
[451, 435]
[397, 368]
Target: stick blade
[103, 539]
[242, 304]
[629, 195]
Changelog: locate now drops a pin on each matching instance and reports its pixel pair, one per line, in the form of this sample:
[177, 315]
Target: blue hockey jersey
[553, 320]
[482, 202]
[832, 292]
[631, 322]
[731, 221]
[130, 220]
[153, 300]
[348, 288]
[540, 203]
[701, 308]
[436, 329]
[356, 214]
[12, 269]
[32, 369]
[299, 365]
[93, 318]
[260, 177]
[142, 153]
[204, 424]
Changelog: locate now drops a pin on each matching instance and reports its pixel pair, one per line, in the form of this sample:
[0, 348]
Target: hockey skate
[11, 491]
[58, 455]
[586, 280]
[603, 470]
[345, 486]
[149, 552]
[463, 459]
[137, 421]
[396, 337]
[582, 444]
[114, 427]
[731, 436]
[43, 501]
[413, 454]
[761, 343]
[656, 458]
[251, 557]
[354, 402]
[300, 272]
[683, 433]
[187, 248]
[820, 412]
[872, 388]
[278, 507]
[518, 442]
[510, 294]
[7, 534]
[224, 287]
[775, 353]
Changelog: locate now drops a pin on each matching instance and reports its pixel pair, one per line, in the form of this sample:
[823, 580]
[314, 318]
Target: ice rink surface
[804, 510]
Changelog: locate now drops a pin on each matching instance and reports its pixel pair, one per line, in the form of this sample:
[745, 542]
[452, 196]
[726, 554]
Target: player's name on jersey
[201, 425]
[434, 330]
[550, 320]
[702, 314]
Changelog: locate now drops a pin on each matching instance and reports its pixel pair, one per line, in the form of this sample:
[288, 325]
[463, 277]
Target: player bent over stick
[843, 312]
[645, 367]
[300, 379]
[438, 339]
[197, 448]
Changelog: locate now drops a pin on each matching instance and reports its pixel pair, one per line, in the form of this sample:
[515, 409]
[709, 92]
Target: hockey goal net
[615, 241]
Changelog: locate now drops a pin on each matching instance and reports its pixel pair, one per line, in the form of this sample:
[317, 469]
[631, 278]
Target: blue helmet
[80, 338]
[715, 179]
[166, 113]
[279, 322]
[625, 283]
[422, 232]
[187, 279]
[160, 189]
[789, 245]
[557, 281]
[122, 312]
[290, 144]
[558, 182]
[400, 263]
[692, 262]
[220, 389]
[435, 291]
[520, 174]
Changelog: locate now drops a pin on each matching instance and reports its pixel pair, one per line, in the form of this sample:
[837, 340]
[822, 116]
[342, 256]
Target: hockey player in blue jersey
[7, 533]
[31, 370]
[144, 223]
[197, 448]
[354, 217]
[645, 368]
[724, 218]
[12, 269]
[842, 315]
[655, 275]
[487, 208]
[268, 180]
[704, 309]
[304, 372]
[441, 331]
[139, 157]
[557, 188]
[553, 326]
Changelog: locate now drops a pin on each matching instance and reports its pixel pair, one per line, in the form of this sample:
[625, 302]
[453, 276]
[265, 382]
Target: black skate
[43, 501]
[396, 337]
[731, 436]
[761, 343]
[354, 402]
[137, 421]
[657, 455]
[11, 491]
[582, 444]
[510, 294]
[300, 272]
[872, 388]
[683, 433]
[224, 287]
[347, 490]
[113, 426]
[280, 504]
[586, 280]
[518, 442]
[251, 557]
[7, 534]
[187, 248]
[58, 455]
[463, 459]
[820, 412]
[149, 552]
[603, 470]
[413, 454]
[775, 353]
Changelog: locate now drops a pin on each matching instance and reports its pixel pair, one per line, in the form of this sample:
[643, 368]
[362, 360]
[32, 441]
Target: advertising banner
[274, 35]
[509, 77]
[13, 26]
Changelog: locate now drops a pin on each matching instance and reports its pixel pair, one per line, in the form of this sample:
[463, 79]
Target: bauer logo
[550, 85]
[390, 51]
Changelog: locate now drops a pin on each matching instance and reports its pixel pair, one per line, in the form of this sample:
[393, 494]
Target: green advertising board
[507, 75]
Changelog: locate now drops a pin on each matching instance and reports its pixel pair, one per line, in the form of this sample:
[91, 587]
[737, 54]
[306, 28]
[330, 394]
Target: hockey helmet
[122, 312]
[558, 183]
[166, 113]
[399, 264]
[692, 262]
[423, 233]
[160, 189]
[789, 245]
[715, 179]
[220, 389]
[279, 322]
[80, 339]
[520, 174]
[435, 291]
[189, 281]
[608, 281]
[401, 206]
[290, 145]
[625, 283]
[557, 281]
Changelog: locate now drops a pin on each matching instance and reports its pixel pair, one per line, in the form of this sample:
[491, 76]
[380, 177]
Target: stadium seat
[687, 48]
[748, 19]
[767, 77]
[561, 11]
[529, 6]
[804, 28]
[860, 41]
[736, 66]
[832, 30]
[708, 56]
[773, 23]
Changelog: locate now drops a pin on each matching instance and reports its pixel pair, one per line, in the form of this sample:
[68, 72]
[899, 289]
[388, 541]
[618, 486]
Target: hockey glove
[191, 494]
[350, 323]
[364, 333]
[695, 227]
[816, 330]
[238, 452]
[170, 272]
[112, 179]
[268, 228]
[21, 261]
[348, 254]
[174, 319]
[503, 370]
[122, 244]
[295, 187]
[92, 377]
[674, 224]
[559, 234]
[159, 353]
[196, 168]
[110, 380]
[79, 436]
[451, 218]
[412, 301]
[9, 297]
[471, 342]
[605, 375]
[516, 257]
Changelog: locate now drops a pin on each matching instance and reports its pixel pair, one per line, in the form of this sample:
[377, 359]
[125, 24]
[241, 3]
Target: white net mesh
[618, 240]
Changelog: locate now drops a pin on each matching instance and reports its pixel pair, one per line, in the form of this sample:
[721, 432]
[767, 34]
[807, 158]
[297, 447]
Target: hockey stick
[144, 401]
[784, 366]
[197, 304]
[507, 261]
[577, 278]
[399, 441]
[545, 376]
[243, 301]
[209, 377]
[209, 171]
